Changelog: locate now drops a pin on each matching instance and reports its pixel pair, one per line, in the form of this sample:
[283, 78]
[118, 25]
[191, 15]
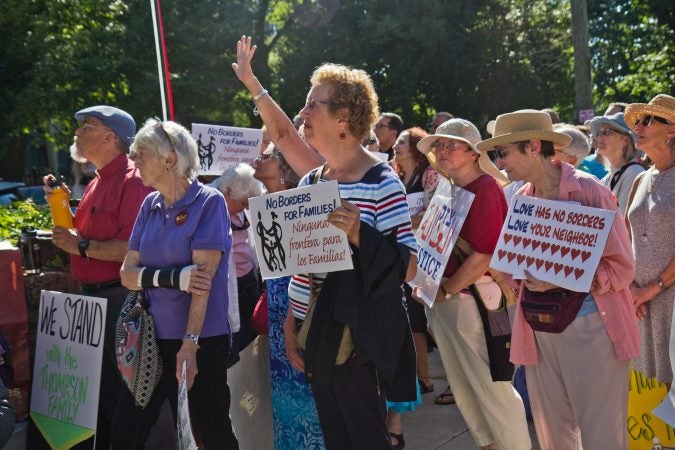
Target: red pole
[167, 74]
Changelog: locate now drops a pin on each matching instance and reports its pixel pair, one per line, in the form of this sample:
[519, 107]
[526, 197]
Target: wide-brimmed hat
[661, 106]
[121, 122]
[523, 125]
[465, 131]
[615, 121]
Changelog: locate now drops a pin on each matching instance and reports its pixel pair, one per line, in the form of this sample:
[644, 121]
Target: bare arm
[300, 156]
[469, 272]
[68, 240]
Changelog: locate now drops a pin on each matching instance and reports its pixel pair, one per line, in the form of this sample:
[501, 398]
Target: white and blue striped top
[380, 196]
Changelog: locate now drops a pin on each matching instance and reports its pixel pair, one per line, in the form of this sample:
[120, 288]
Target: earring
[343, 135]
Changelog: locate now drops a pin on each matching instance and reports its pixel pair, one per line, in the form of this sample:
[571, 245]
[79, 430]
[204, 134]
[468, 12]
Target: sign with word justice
[558, 242]
[436, 237]
[292, 235]
[220, 146]
[67, 370]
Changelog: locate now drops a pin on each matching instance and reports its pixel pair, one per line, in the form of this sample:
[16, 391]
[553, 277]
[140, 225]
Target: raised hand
[242, 68]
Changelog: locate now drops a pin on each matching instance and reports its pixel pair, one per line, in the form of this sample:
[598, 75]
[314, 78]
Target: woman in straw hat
[651, 218]
[492, 409]
[577, 379]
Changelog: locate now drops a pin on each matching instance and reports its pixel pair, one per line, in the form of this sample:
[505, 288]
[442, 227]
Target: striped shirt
[380, 196]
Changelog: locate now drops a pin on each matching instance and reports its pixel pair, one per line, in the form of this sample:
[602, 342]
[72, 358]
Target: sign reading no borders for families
[292, 235]
[220, 147]
[436, 236]
[67, 370]
[558, 242]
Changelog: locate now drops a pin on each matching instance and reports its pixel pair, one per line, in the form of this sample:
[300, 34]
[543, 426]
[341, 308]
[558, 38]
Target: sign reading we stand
[555, 241]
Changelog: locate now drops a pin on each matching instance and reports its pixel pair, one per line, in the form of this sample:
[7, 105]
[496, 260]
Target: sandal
[400, 442]
[424, 388]
[446, 398]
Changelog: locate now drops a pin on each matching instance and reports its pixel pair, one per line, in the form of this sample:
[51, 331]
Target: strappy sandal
[400, 442]
[424, 388]
[446, 398]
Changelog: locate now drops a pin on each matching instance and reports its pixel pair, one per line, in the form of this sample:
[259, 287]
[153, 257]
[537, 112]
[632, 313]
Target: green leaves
[20, 215]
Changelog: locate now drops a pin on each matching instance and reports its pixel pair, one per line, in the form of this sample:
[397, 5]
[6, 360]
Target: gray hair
[579, 146]
[166, 137]
[239, 180]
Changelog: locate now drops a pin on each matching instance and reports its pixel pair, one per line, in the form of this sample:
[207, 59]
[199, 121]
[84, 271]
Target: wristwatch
[192, 337]
[83, 246]
[661, 284]
[445, 293]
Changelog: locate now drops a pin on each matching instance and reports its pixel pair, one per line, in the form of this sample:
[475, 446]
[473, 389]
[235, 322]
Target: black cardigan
[370, 299]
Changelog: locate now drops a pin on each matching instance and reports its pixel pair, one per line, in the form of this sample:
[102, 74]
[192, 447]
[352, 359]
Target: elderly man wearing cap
[492, 409]
[102, 226]
[577, 379]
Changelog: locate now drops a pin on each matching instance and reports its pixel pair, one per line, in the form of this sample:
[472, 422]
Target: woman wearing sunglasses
[651, 218]
[616, 144]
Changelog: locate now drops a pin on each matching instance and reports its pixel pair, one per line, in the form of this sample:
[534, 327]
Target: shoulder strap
[633, 189]
[617, 175]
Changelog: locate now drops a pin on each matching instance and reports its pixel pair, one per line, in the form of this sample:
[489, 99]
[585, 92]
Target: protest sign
[186, 440]
[220, 147]
[292, 235]
[558, 242]
[436, 236]
[67, 370]
[643, 425]
[415, 203]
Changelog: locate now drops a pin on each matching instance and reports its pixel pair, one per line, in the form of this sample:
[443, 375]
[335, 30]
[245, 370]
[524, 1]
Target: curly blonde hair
[352, 89]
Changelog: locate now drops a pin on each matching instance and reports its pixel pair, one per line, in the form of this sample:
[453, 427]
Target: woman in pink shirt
[577, 379]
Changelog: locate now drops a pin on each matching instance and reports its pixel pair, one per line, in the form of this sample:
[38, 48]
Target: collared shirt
[614, 274]
[107, 211]
[166, 237]
[242, 251]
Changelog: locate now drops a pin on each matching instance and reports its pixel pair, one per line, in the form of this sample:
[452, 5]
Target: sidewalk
[440, 427]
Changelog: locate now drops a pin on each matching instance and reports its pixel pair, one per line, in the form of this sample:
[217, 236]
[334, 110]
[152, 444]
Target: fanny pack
[551, 311]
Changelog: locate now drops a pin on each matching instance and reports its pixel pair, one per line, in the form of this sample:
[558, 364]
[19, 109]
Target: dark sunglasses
[166, 134]
[647, 121]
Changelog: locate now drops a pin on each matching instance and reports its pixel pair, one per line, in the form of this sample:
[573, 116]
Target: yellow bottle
[59, 203]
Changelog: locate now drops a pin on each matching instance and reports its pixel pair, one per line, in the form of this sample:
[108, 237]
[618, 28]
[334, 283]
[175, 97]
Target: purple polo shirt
[166, 238]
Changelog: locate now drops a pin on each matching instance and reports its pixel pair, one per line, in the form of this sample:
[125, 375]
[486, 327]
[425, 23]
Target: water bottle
[59, 203]
[30, 251]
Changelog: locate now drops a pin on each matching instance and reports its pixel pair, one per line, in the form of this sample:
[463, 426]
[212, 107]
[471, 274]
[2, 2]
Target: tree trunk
[582, 57]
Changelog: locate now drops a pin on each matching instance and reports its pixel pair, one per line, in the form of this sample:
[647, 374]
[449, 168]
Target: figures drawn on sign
[206, 152]
[271, 243]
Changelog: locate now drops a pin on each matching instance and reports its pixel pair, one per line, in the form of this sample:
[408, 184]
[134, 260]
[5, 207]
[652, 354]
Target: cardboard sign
[186, 440]
[558, 242]
[67, 370]
[643, 426]
[415, 203]
[220, 147]
[292, 235]
[436, 236]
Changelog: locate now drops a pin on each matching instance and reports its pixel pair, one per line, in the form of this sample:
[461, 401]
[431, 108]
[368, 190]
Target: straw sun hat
[523, 125]
[465, 131]
[661, 106]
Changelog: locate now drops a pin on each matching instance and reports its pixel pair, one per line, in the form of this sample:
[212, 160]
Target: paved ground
[440, 427]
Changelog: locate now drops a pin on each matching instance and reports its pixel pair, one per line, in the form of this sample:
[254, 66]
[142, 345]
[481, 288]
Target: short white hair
[239, 180]
[165, 137]
[579, 146]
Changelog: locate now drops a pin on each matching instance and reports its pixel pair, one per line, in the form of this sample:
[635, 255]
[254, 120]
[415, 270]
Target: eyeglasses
[606, 132]
[449, 145]
[86, 126]
[264, 157]
[647, 121]
[379, 125]
[166, 134]
[311, 103]
[500, 153]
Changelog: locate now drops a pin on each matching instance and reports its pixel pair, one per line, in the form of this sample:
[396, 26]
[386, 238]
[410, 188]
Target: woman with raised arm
[341, 108]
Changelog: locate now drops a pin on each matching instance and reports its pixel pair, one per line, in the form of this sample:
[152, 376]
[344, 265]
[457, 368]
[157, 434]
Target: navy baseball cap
[117, 120]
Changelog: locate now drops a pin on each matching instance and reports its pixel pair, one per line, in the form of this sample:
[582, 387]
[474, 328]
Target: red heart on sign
[520, 259]
[510, 256]
[578, 273]
[538, 262]
[568, 270]
[507, 238]
[557, 267]
[516, 240]
[575, 253]
[544, 246]
[501, 254]
[530, 260]
[554, 249]
[526, 242]
[548, 265]
[564, 251]
[535, 244]
[585, 255]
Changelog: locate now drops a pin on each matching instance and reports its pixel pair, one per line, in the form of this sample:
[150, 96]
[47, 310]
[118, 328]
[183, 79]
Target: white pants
[493, 411]
[579, 389]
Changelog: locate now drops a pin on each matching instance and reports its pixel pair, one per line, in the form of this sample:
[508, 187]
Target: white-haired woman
[578, 149]
[616, 144]
[238, 184]
[183, 223]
